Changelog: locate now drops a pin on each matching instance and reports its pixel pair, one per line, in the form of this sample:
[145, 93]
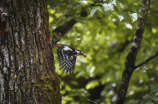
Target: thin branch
[90, 100]
[146, 60]
[67, 9]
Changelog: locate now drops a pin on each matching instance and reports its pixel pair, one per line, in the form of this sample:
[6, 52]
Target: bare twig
[146, 60]
[90, 100]
[67, 9]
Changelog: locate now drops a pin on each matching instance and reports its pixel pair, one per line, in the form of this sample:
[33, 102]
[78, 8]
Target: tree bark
[131, 57]
[27, 72]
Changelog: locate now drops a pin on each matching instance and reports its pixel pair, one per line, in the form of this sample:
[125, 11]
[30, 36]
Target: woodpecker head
[58, 45]
[78, 52]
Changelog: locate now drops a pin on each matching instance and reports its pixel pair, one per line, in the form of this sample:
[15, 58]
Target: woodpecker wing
[66, 59]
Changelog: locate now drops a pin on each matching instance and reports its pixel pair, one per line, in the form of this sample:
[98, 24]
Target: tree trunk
[26, 61]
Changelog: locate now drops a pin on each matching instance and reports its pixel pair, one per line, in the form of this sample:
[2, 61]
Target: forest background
[104, 30]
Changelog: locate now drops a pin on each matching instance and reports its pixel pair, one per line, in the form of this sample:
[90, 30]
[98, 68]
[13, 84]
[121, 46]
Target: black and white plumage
[67, 57]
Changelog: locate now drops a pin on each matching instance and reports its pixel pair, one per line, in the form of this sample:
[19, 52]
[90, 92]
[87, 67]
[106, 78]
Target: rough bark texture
[131, 57]
[26, 61]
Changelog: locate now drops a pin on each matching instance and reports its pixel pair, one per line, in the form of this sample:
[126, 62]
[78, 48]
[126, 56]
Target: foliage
[104, 35]
[152, 97]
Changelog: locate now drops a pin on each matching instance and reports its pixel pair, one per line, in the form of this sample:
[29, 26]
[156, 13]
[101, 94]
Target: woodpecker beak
[83, 54]
[80, 54]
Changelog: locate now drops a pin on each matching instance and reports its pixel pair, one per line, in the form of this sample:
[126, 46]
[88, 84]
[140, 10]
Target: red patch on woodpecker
[58, 45]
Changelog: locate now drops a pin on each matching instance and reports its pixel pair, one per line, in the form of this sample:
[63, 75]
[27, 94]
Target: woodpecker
[67, 57]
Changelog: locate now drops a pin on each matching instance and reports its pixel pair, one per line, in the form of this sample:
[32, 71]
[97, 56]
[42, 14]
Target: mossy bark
[26, 61]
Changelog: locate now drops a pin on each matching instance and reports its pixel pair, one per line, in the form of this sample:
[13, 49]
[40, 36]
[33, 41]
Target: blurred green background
[103, 30]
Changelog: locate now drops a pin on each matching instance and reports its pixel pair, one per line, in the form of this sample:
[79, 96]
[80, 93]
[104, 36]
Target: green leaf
[149, 102]
[138, 13]
[154, 88]
[156, 94]
[92, 84]
[68, 19]
[108, 6]
[133, 16]
[94, 10]
[122, 15]
[154, 98]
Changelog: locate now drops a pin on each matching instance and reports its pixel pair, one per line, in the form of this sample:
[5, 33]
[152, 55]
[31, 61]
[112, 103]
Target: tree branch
[131, 57]
[146, 60]
[67, 9]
